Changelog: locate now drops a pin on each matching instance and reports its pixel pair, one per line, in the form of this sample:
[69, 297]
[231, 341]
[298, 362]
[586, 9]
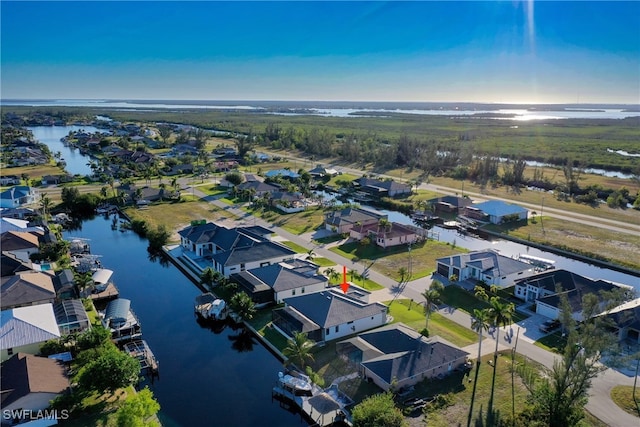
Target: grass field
[296, 223]
[412, 314]
[611, 245]
[622, 395]
[178, 215]
[388, 261]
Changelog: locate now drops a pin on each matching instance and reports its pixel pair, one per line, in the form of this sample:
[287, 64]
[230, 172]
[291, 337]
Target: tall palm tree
[45, 204]
[432, 299]
[479, 322]
[299, 349]
[500, 314]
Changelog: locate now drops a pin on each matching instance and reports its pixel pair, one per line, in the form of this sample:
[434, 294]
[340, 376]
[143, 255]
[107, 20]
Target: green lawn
[388, 261]
[261, 322]
[296, 223]
[412, 314]
[459, 298]
[324, 262]
[552, 342]
[295, 247]
[213, 190]
[367, 284]
[622, 395]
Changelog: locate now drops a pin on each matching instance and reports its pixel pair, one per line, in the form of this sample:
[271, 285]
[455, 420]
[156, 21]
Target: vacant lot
[176, 216]
[388, 261]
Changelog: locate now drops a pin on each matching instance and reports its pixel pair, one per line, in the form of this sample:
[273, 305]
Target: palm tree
[432, 299]
[83, 281]
[310, 255]
[479, 323]
[333, 274]
[500, 314]
[402, 271]
[299, 349]
[243, 306]
[45, 204]
[208, 277]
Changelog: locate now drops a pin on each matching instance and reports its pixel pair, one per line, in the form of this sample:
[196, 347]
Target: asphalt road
[600, 403]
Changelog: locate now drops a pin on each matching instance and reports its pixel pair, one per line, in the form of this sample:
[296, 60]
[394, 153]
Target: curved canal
[221, 378]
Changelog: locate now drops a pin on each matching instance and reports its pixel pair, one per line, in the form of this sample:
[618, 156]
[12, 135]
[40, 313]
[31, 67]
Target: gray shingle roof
[489, 262]
[26, 288]
[351, 216]
[280, 278]
[255, 252]
[574, 286]
[199, 233]
[407, 353]
[329, 308]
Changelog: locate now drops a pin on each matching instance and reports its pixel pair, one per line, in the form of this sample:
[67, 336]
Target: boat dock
[141, 351]
[321, 407]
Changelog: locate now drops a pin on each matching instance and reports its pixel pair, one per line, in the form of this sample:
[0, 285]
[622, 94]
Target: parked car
[549, 326]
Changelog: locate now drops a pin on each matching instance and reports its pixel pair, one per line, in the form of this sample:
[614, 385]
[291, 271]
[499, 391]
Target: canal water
[505, 247]
[50, 136]
[207, 378]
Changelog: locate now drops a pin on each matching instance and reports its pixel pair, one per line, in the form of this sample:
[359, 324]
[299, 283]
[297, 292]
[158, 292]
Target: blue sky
[497, 51]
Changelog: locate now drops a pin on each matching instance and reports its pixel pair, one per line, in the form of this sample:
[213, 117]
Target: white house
[488, 266]
[344, 220]
[17, 196]
[25, 329]
[247, 257]
[276, 282]
[393, 234]
[497, 211]
[542, 288]
[328, 315]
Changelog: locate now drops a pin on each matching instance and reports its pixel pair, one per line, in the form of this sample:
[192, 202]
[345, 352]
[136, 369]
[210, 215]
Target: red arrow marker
[344, 285]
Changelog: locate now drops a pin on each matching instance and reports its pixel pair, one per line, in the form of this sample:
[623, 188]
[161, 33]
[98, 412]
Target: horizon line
[309, 101]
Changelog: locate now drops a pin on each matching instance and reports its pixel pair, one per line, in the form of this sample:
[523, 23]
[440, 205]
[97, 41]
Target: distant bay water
[359, 109]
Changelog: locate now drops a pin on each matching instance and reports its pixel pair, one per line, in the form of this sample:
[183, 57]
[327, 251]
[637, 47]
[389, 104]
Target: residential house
[54, 179]
[9, 180]
[16, 213]
[64, 285]
[181, 169]
[14, 224]
[21, 244]
[342, 221]
[385, 236]
[276, 282]
[71, 316]
[543, 290]
[11, 265]
[320, 172]
[208, 239]
[184, 149]
[259, 188]
[26, 329]
[254, 255]
[496, 212]
[399, 356]
[17, 196]
[25, 289]
[450, 204]
[30, 383]
[284, 173]
[626, 319]
[328, 315]
[379, 188]
[488, 266]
